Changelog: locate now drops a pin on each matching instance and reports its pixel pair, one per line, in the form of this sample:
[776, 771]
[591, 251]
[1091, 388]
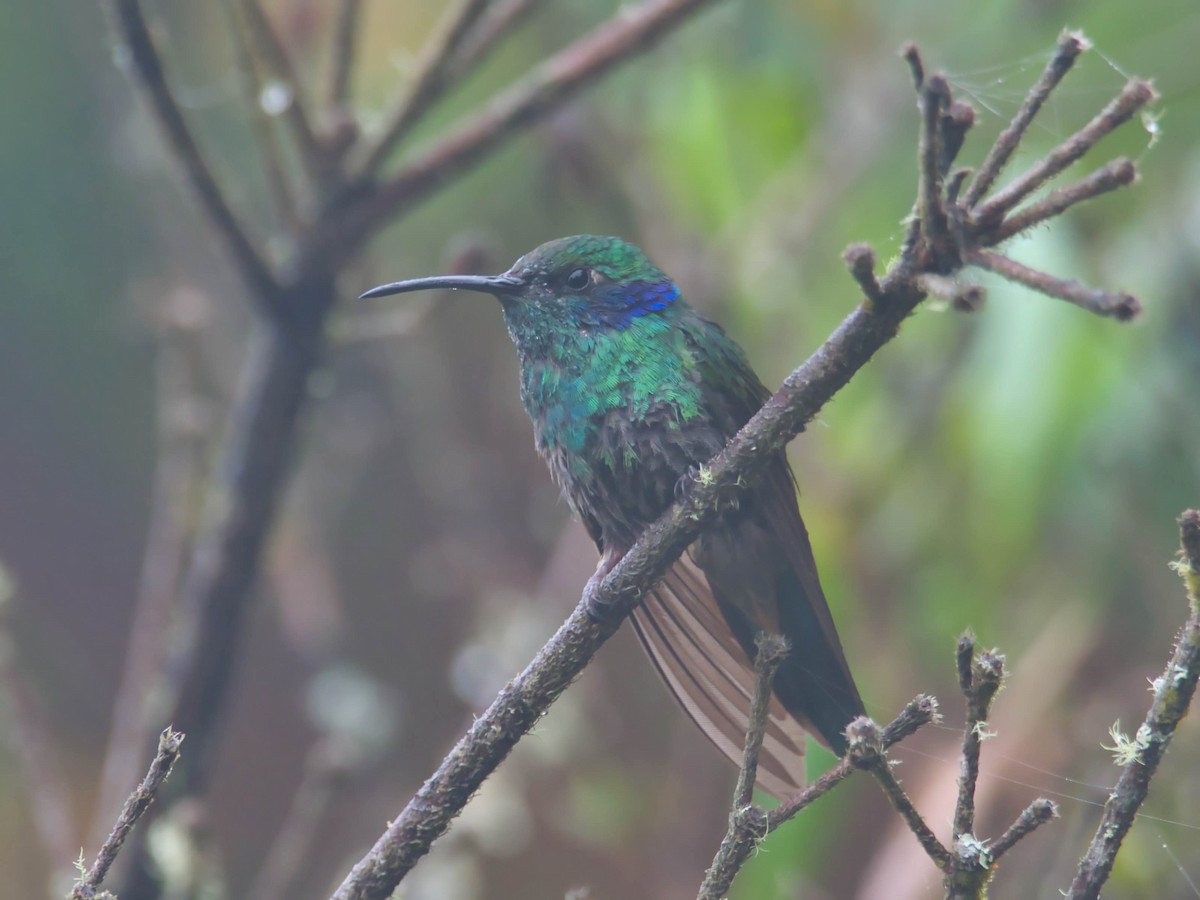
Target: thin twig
[971, 863]
[295, 113]
[860, 260]
[631, 31]
[325, 769]
[260, 123]
[1173, 692]
[183, 435]
[146, 66]
[1070, 45]
[31, 743]
[1136, 94]
[139, 800]
[1119, 305]
[1118, 173]
[495, 23]
[425, 86]
[1036, 814]
[341, 56]
[935, 98]
[747, 823]
[866, 752]
[986, 676]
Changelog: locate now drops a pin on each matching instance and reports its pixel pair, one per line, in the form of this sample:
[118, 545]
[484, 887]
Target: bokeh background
[1017, 471]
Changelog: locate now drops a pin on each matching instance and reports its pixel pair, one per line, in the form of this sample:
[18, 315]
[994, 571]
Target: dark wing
[697, 655]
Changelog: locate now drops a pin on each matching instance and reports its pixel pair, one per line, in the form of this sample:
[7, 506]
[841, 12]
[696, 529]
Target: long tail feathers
[691, 645]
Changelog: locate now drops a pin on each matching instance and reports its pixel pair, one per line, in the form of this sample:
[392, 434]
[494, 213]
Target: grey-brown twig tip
[911, 55]
[1036, 814]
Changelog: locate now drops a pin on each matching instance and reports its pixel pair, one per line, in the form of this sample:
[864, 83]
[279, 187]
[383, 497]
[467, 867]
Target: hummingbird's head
[571, 284]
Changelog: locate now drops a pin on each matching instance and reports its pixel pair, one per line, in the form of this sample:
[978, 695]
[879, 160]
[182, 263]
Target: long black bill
[500, 285]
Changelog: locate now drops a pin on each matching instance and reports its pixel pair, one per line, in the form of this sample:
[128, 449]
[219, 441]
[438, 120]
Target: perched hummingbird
[630, 390]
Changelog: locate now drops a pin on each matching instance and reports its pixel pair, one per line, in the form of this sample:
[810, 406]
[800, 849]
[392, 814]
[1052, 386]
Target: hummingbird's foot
[686, 480]
[601, 611]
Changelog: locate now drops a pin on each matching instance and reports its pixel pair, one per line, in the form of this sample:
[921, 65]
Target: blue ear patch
[625, 301]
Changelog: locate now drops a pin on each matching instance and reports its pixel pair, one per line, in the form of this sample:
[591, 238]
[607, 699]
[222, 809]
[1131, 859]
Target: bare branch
[935, 98]
[426, 84]
[260, 123]
[139, 800]
[1118, 173]
[295, 113]
[631, 31]
[341, 57]
[1120, 306]
[985, 675]
[1070, 45]
[146, 67]
[325, 769]
[1036, 814]
[1173, 692]
[495, 23]
[184, 424]
[1133, 97]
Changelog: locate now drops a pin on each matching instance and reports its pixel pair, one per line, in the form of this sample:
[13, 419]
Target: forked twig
[739, 844]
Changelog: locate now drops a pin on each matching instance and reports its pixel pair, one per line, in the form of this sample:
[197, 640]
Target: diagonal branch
[261, 126]
[1173, 692]
[146, 67]
[137, 804]
[1133, 97]
[341, 57]
[936, 243]
[521, 704]
[631, 31]
[426, 85]
[1070, 45]
[295, 113]
[1119, 305]
[498, 21]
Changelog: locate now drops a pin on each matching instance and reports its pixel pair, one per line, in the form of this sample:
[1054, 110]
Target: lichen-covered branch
[168, 752]
[1173, 692]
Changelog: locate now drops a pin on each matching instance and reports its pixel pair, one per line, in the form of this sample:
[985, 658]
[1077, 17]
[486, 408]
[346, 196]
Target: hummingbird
[631, 391]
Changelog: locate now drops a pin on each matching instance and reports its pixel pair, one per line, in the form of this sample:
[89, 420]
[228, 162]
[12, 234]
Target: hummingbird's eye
[578, 279]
